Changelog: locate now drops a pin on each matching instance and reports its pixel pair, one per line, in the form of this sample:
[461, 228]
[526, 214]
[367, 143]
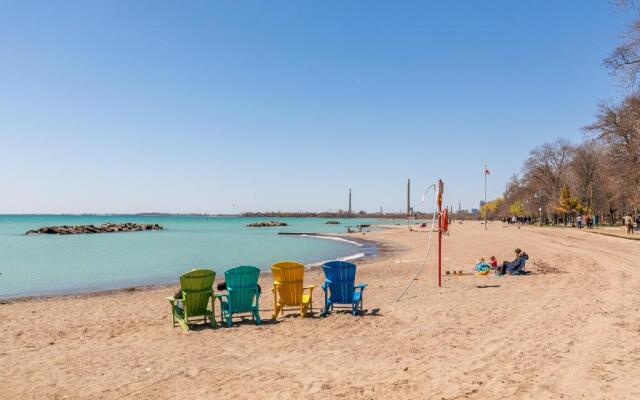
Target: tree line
[599, 176]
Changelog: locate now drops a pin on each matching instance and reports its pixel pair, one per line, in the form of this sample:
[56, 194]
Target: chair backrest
[340, 277]
[288, 276]
[242, 287]
[197, 289]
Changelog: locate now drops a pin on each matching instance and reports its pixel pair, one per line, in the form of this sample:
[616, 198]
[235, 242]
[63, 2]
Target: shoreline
[379, 250]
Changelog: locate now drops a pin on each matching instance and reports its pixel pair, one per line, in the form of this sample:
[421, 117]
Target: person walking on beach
[628, 222]
[579, 221]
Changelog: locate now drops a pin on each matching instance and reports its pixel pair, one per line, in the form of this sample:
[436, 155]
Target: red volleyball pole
[440, 227]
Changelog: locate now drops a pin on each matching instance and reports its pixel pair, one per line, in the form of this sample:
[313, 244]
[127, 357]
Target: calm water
[47, 264]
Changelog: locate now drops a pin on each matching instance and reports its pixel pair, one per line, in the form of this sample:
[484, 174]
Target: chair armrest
[361, 286]
[220, 295]
[171, 299]
[309, 288]
[324, 286]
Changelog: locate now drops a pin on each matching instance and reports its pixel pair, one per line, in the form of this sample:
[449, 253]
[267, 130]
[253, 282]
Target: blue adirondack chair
[242, 294]
[339, 286]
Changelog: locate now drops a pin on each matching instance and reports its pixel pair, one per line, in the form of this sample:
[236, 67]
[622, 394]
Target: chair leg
[276, 310]
[214, 324]
[229, 320]
[256, 317]
[325, 309]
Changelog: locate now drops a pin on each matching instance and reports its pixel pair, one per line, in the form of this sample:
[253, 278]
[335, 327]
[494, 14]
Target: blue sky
[122, 106]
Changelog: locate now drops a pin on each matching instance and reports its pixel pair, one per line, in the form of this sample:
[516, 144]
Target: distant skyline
[229, 107]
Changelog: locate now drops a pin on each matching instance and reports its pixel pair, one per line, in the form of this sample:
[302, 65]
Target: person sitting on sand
[482, 268]
[493, 263]
[515, 267]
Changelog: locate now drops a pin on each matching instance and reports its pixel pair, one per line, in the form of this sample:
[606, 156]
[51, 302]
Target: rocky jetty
[263, 224]
[104, 228]
[332, 222]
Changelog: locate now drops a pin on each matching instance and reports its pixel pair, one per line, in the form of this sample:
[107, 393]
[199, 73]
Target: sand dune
[570, 330]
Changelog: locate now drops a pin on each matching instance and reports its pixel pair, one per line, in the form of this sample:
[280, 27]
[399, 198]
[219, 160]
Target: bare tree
[545, 171]
[624, 60]
[618, 127]
[590, 175]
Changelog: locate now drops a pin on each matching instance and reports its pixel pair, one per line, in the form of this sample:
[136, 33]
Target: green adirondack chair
[242, 294]
[197, 291]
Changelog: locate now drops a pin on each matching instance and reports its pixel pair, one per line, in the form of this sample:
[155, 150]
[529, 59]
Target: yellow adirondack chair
[287, 289]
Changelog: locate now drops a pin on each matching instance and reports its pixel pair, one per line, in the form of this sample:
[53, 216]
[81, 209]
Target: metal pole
[439, 246]
[485, 197]
[440, 224]
[540, 218]
[539, 197]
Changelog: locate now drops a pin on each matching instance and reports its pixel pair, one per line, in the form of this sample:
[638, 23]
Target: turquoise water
[49, 264]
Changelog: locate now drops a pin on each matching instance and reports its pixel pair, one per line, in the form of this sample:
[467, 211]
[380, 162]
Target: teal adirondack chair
[242, 294]
[197, 291]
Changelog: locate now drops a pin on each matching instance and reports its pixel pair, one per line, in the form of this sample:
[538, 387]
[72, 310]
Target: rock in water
[263, 224]
[104, 228]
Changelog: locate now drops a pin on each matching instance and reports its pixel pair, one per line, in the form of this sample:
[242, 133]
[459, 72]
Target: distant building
[475, 210]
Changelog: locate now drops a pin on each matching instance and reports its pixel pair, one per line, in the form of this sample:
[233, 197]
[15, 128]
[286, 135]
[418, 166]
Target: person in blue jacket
[515, 267]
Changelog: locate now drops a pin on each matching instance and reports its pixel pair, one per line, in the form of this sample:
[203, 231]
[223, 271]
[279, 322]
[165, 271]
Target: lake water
[49, 264]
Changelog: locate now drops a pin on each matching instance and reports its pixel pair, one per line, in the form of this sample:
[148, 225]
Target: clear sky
[132, 106]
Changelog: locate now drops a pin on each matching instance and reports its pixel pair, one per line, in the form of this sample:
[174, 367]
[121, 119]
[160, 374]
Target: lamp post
[485, 196]
[537, 196]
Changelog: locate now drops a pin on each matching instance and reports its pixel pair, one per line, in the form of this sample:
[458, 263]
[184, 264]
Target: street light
[539, 208]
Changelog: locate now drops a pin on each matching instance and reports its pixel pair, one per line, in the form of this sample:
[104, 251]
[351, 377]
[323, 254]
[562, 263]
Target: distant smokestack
[408, 196]
[349, 200]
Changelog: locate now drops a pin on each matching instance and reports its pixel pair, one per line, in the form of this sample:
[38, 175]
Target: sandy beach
[569, 330]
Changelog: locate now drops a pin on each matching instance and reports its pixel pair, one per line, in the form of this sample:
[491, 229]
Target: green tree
[568, 204]
[565, 202]
[492, 207]
[516, 208]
